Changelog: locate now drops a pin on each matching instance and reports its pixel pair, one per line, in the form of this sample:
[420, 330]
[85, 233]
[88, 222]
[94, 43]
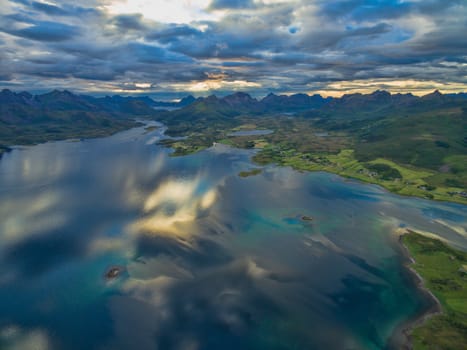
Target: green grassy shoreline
[443, 271]
[421, 155]
[411, 181]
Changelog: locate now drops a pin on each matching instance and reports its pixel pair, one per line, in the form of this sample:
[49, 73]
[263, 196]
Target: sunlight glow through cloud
[395, 86]
[209, 85]
[165, 11]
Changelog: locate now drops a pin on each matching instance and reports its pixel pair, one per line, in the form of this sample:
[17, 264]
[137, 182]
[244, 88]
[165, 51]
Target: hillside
[29, 119]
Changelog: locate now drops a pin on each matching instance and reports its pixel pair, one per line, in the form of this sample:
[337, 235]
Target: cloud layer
[203, 46]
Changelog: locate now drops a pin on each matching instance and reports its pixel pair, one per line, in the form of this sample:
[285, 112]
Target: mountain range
[23, 107]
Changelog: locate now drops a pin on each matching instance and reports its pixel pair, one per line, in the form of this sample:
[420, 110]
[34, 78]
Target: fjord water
[209, 260]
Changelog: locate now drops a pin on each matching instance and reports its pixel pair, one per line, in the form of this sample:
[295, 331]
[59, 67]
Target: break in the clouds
[204, 46]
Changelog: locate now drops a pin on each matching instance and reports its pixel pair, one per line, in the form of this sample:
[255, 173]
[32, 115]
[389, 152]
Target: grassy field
[402, 179]
[444, 271]
[433, 140]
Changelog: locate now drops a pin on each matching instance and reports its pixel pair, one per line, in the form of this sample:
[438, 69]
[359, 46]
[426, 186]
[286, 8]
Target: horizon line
[233, 92]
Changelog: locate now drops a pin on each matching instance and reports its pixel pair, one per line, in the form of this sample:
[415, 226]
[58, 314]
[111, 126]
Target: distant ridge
[357, 105]
[20, 107]
[23, 107]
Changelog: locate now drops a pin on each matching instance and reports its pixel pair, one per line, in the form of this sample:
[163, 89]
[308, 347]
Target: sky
[171, 48]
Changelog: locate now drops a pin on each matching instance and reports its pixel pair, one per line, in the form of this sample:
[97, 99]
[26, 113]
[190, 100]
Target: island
[251, 172]
[443, 271]
[113, 272]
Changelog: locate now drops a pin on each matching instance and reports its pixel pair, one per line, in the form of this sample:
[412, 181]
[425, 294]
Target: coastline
[390, 190]
[402, 335]
[385, 187]
[78, 134]
[403, 191]
[343, 173]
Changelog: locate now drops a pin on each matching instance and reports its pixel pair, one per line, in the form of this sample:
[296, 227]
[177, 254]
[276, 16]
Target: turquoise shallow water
[209, 260]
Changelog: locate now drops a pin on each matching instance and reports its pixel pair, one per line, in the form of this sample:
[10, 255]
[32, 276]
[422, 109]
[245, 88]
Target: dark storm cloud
[364, 10]
[49, 9]
[45, 31]
[24, 2]
[239, 36]
[361, 9]
[154, 54]
[288, 46]
[380, 28]
[173, 32]
[231, 4]
[65, 9]
[129, 22]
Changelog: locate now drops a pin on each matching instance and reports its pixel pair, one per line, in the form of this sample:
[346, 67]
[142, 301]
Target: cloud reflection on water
[173, 207]
[26, 216]
[211, 260]
[14, 338]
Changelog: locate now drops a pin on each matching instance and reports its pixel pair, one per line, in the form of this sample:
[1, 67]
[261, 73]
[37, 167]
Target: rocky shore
[402, 336]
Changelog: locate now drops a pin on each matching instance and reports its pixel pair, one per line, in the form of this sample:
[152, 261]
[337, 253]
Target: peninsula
[443, 271]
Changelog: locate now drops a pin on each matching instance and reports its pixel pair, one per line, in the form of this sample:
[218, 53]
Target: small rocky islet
[113, 272]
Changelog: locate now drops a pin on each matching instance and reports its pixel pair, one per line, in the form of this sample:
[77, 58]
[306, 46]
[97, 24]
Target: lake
[203, 258]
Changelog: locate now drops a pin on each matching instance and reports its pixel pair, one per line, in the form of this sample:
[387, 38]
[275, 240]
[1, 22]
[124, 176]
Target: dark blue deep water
[206, 259]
